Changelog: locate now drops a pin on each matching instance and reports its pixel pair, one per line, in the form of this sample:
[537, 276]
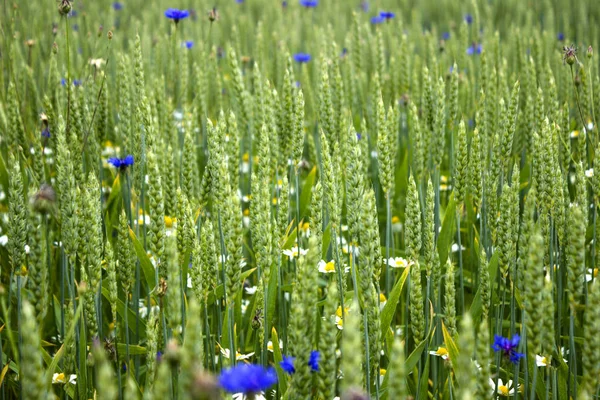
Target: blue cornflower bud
[313, 361]
[387, 14]
[377, 20]
[560, 36]
[474, 49]
[288, 364]
[117, 6]
[468, 19]
[446, 35]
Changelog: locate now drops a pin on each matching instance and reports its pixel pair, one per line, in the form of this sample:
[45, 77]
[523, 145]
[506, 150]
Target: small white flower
[590, 126]
[326, 267]
[27, 249]
[270, 345]
[189, 282]
[294, 252]
[246, 221]
[251, 290]
[440, 352]
[178, 115]
[399, 262]
[245, 304]
[455, 247]
[589, 172]
[591, 275]
[255, 396]
[541, 361]
[506, 390]
[3, 240]
[62, 378]
[2, 195]
[238, 356]
[374, 154]
[97, 62]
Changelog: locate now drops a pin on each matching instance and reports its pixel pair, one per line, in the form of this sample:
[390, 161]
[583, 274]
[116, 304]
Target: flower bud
[65, 7]
[590, 52]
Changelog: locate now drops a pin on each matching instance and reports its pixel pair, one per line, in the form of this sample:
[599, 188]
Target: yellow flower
[294, 252]
[395, 219]
[246, 212]
[382, 298]
[246, 157]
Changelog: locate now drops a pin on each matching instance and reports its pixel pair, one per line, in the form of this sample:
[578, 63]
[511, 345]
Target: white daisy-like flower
[326, 267]
[591, 275]
[27, 249]
[270, 345]
[251, 290]
[245, 304]
[294, 252]
[61, 378]
[589, 172]
[396, 224]
[189, 282]
[574, 134]
[305, 230]
[590, 125]
[255, 396]
[3, 240]
[2, 195]
[455, 247]
[97, 62]
[542, 361]
[399, 262]
[178, 115]
[143, 310]
[339, 321]
[440, 352]
[382, 300]
[238, 356]
[504, 389]
[382, 373]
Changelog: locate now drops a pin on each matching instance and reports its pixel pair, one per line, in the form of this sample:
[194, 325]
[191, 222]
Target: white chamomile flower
[399, 262]
[326, 267]
[440, 352]
[504, 389]
[294, 252]
[238, 356]
[589, 172]
[61, 378]
[270, 345]
[251, 290]
[591, 275]
[382, 300]
[3, 240]
[255, 396]
[339, 321]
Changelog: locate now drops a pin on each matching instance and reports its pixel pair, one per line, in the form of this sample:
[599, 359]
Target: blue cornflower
[358, 136]
[76, 82]
[159, 355]
[560, 36]
[117, 6]
[508, 347]
[176, 15]
[284, 4]
[377, 20]
[297, 84]
[239, 1]
[121, 163]
[288, 364]
[446, 35]
[247, 379]
[73, 13]
[364, 5]
[313, 361]
[302, 57]
[309, 3]
[468, 19]
[46, 133]
[344, 52]
[474, 49]
[387, 14]
[76, 27]
[188, 44]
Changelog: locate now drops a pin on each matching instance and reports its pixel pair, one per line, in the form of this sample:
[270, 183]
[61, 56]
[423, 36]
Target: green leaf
[130, 314]
[134, 350]
[387, 314]
[278, 357]
[450, 344]
[145, 263]
[447, 232]
[306, 194]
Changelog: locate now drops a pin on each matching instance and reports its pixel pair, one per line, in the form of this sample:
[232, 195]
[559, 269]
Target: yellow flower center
[270, 346]
[330, 266]
[246, 157]
[395, 219]
[382, 298]
[382, 371]
[274, 201]
[305, 226]
[169, 221]
[441, 351]
[246, 212]
[595, 272]
[61, 378]
[503, 390]
[544, 361]
[338, 312]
